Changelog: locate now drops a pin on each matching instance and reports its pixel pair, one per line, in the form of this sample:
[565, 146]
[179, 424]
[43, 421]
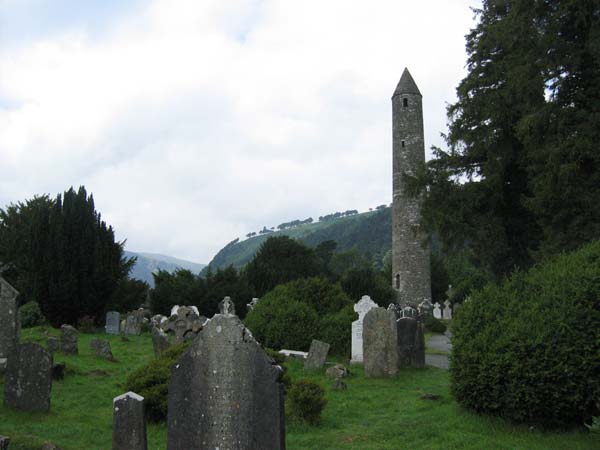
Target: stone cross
[317, 354]
[225, 392]
[113, 320]
[28, 381]
[380, 343]
[437, 312]
[129, 423]
[226, 306]
[447, 311]
[9, 321]
[362, 307]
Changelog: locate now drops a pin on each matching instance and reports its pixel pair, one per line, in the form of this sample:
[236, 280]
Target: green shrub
[528, 350]
[306, 401]
[434, 325]
[286, 379]
[31, 315]
[152, 382]
[336, 330]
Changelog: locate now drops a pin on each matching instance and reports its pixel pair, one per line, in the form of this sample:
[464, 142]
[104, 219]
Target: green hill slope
[369, 233]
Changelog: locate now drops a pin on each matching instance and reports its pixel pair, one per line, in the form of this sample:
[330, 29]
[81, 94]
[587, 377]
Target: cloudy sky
[194, 122]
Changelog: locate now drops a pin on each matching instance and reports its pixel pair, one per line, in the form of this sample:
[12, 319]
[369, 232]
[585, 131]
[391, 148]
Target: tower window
[403, 144]
[405, 102]
[397, 281]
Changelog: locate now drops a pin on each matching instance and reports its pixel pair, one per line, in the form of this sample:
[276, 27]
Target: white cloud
[194, 122]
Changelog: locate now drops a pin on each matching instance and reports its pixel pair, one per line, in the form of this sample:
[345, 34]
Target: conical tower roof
[406, 85]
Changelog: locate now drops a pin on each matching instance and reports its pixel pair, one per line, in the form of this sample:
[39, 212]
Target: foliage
[64, 257]
[307, 400]
[336, 330]
[368, 281]
[595, 425]
[31, 315]
[435, 325]
[528, 350]
[279, 359]
[129, 295]
[152, 382]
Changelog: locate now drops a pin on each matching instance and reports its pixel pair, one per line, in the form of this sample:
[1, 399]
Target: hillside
[151, 262]
[369, 233]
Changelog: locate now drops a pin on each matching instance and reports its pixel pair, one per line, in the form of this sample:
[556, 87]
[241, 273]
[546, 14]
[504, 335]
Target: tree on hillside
[64, 256]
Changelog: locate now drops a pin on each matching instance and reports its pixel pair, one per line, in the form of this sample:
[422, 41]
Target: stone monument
[9, 321]
[102, 349]
[437, 312]
[317, 354]
[226, 306]
[69, 337]
[113, 321]
[362, 307]
[160, 341]
[411, 343]
[380, 343]
[447, 310]
[129, 423]
[133, 323]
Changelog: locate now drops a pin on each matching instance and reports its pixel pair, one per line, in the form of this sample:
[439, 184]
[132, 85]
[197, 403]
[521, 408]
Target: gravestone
[317, 354]
[250, 306]
[437, 312]
[362, 307]
[225, 392]
[425, 308]
[186, 324]
[160, 341]
[129, 423]
[53, 344]
[447, 310]
[411, 344]
[133, 323]
[408, 311]
[380, 343]
[68, 340]
[337, 371]
[113, 322]
[9, 321]
[102, 349]
[4, 441]
[226, 306]
[28, 380]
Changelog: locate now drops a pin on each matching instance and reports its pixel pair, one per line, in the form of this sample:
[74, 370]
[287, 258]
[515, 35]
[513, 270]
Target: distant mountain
[370, 233]
[147, 263]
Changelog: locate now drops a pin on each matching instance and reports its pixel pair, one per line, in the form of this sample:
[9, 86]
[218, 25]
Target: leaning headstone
[160, 341]
[68, 340]
[447, 310]
[53, 344]
[411, 346]
[133, 323]
[380, 341]
[4, 441]
[102, 349]
[129, 423]
[437, 312]
[362, 307]
[226, 306]
[9, 321]
[28, 380]
[113, 321]
[317, 354]
[225, 392]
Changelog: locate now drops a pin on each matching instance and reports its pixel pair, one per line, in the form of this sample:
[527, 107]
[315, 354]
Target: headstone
[380, 342]
[174, 310]
[317, 354]
[157, 320]
[425, 308]
[113, 321]
[437, 312]
[362, 307]
[408, 311]
[133, 323]
[58, 371]
[4, 441]
[447, 311]
[129, 423]
[102, 349]
[195, 310]
[225, 392]
[337, 371]
[53, 344]
[28, 380]
[9, 321]
[250, 306]
[186, 324]
[226, 306]
[68, 340]
[411, 345]
[160, 341]
[396, 309]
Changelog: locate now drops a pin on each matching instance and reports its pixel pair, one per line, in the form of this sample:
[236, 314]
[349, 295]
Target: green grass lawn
[373, 414]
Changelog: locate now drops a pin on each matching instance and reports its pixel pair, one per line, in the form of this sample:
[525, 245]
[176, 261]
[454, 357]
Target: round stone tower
[410, 249]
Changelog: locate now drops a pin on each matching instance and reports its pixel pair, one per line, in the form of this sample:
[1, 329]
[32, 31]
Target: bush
[31, 315]
[307, 400]
[336, 330]
[528, 350]
[434, 325]
[279, 359]
[152, 382]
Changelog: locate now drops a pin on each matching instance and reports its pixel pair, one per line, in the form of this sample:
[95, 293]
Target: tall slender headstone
[362, 307]
[129, 423]
[160, 342]
[9, 321]
[225, 392]
[113, 321]
[410, 259]
[28, 380]
[380, 343]
[411, 343]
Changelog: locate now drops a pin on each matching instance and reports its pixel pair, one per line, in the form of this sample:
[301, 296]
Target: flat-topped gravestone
[437, 312]
[225, 392]
[28, 380]
[69, 337]
[317, 354]
[160, 341]
[102, 349]
[226, 306]
[133, 323]
[113, 322]
[9, 321]
[129, 423]
[362, 307]
[380, 343]
[411, 344]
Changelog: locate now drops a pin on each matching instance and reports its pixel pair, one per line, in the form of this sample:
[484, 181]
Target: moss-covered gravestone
[380, 343]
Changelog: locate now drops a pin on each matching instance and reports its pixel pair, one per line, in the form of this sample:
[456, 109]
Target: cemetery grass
[373, 414]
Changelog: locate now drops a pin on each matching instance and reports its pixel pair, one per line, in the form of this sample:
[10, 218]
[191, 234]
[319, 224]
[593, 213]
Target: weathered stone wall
[410, 259]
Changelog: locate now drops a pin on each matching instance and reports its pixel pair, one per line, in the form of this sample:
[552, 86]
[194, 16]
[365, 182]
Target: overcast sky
[194, 122]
